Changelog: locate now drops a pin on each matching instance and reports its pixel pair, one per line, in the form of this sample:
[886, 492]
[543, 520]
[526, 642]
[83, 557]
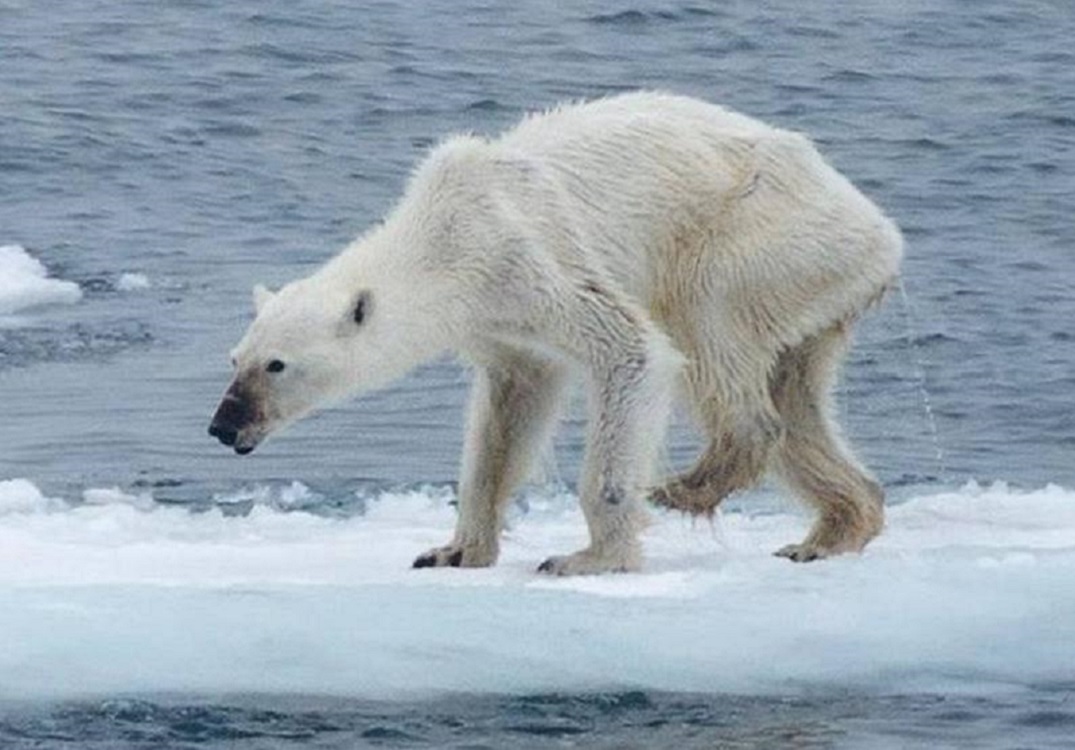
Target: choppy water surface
[627, 721]
[210, 146]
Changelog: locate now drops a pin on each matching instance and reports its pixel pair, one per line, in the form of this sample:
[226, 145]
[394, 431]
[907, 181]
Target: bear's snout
[234, 415]
[223, 433]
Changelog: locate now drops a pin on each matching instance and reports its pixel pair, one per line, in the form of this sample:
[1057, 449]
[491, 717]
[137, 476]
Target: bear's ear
[261, 297]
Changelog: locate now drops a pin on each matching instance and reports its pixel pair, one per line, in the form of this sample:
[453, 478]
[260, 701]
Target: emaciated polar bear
[655, 243]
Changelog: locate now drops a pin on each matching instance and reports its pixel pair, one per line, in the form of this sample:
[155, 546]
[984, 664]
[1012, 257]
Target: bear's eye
[275, 366]
[361, 308]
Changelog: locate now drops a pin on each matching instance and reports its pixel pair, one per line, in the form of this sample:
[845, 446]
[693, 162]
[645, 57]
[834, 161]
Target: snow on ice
[969, 589]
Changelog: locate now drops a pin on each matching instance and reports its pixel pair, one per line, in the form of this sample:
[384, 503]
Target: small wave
[487, 105]
[289, 21]
[115, 57]
[699, 11]
[300, 55]
[631, 17]
[924, 144]
[935, 338]
[304, 97]
[378, 112]
[111, 284]
[25, 344]
[812, 32]
[231, 130]
[727, 44]
[849, 75]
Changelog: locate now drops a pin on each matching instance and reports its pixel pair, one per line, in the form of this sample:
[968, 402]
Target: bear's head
[310, 344]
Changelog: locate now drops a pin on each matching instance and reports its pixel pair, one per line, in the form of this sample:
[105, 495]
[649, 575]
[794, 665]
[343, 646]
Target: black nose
[223, 433]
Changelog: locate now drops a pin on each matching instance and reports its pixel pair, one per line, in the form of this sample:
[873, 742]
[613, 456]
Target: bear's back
[646, 158]
[629, 118]
[642, 171]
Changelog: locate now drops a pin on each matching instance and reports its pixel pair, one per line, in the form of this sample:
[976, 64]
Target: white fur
[627, 239]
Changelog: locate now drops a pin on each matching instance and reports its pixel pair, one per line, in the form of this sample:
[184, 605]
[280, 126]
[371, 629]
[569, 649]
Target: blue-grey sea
[212, 145]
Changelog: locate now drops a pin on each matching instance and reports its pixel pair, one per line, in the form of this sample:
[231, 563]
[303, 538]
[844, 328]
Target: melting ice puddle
[968, 590]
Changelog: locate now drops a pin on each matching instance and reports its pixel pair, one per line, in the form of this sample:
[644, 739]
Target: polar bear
[659, 246]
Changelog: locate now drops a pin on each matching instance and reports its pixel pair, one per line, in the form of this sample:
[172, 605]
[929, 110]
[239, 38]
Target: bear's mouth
[246, 441]
[242, 441]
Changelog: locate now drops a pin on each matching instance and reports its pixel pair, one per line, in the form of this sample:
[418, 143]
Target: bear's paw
[802, 552]
[588, 562]
[456, 556]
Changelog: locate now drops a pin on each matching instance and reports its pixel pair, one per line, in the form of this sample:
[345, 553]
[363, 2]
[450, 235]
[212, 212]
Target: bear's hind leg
[732, 406]
[513, 406]
[812, 458]
[735, 458]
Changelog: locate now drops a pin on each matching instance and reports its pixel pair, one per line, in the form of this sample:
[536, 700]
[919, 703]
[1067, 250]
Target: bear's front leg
[513, 405]
[614, 518]
[632, 366]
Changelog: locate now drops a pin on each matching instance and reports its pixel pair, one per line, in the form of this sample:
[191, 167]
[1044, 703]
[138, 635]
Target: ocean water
[158, 159]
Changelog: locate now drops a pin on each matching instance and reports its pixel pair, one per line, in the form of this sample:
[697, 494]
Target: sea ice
[968, 589]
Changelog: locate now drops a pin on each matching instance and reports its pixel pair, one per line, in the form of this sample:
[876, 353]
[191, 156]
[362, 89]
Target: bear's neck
[400, 273]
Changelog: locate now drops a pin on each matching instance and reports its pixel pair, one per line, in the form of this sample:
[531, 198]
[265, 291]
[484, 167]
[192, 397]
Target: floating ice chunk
[966, 589]
[115, 496]
[295, 496]
[22, 496]
[132, 282]
[24, 283]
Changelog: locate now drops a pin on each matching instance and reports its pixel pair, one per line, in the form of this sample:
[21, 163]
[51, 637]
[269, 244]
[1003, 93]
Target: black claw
[456, 559]
[426, 561]
[799, 556]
